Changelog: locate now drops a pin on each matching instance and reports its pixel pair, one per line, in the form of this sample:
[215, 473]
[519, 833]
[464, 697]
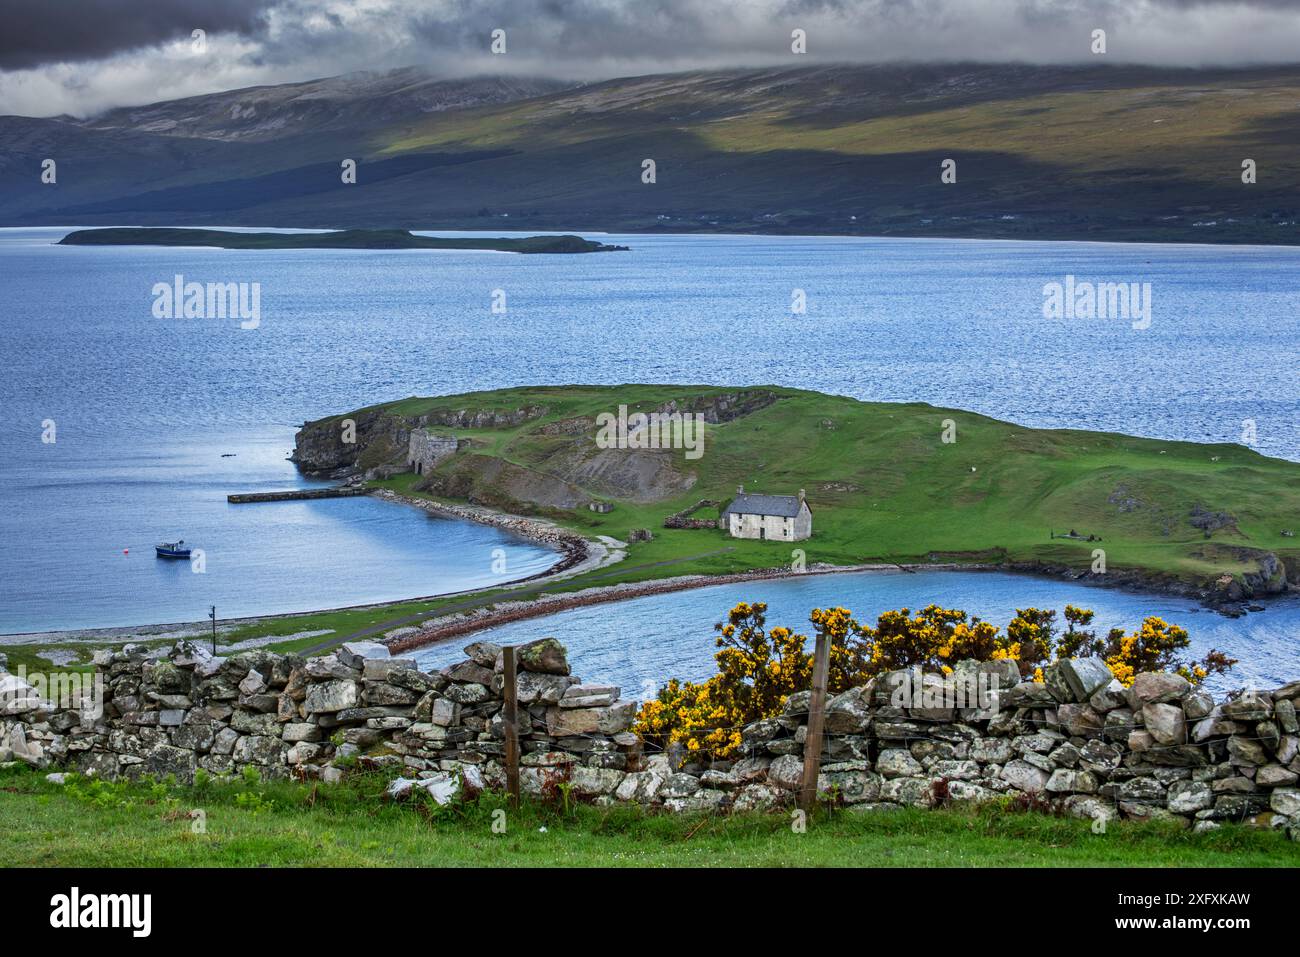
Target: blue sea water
[640, 643]
[145, 407]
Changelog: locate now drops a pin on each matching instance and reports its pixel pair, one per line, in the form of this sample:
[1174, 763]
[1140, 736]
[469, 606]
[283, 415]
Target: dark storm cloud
[81, 56]
[38, 32]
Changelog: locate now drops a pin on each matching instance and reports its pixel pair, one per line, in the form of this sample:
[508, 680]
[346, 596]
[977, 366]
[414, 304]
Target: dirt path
[446, 627]
[472, 603]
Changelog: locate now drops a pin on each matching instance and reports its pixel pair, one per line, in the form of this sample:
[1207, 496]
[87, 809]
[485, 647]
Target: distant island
[340, 239]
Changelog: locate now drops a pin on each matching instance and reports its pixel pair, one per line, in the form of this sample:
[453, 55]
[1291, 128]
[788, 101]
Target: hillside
[1105, 152]
[349, 102]
[882, 484]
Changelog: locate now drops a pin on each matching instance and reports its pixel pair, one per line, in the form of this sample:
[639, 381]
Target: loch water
[156, 420]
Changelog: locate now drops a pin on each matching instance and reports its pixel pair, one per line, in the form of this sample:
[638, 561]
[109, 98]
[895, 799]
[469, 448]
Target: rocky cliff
[379, 438]
[561, 467]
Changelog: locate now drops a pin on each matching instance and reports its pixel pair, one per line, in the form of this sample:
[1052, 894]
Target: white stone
[1023, 776]
[354, 653]
[331, 696]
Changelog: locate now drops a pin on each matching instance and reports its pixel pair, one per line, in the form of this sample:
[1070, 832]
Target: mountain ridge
[1071, 152]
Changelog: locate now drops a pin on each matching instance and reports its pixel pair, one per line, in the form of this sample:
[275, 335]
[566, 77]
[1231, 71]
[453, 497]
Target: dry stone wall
[1077, 743]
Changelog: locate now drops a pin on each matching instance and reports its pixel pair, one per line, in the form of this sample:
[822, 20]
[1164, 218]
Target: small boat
[172, 549]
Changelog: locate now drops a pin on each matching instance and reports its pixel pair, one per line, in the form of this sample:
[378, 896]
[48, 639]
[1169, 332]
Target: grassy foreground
[250, 823]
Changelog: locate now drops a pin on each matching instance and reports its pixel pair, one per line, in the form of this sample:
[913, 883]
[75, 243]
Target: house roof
[783, 506]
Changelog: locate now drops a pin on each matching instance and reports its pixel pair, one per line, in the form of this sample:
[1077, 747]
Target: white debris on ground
[402, 632]
[59, 656]
[250, 643]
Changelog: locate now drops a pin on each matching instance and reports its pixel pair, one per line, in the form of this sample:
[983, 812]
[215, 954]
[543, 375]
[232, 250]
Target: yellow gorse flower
[758, 668]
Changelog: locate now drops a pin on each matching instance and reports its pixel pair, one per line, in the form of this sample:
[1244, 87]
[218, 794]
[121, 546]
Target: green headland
[1211, 522]
[887, 483]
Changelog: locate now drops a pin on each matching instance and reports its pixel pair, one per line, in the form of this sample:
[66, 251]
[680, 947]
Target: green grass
[884, 487]
[281, 824]
[30, 657]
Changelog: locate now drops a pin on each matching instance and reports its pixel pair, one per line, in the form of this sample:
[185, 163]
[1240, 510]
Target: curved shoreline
[447, 627]
[454, 626]
[576, 556]
[579, 555]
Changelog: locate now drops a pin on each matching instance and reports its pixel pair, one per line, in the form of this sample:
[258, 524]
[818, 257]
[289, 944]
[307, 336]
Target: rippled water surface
[640, 643]
[146, 407]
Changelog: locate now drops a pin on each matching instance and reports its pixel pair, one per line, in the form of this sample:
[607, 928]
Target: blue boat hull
[172, 552]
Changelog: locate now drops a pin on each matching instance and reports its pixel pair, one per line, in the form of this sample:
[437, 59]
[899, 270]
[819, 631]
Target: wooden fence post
[510, 718]
[812, 747]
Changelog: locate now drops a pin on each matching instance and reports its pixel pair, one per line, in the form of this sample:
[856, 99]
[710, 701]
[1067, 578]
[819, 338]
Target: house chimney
[801, 496]
[740, 490]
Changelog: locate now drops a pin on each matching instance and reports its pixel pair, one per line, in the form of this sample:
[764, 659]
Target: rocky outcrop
[379, 439]
[1269, 577]
[1078, 742]
[482, 418]
[1227, 592]
[726, 407]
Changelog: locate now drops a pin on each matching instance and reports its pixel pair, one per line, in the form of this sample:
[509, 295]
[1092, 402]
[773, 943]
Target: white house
[783, 518]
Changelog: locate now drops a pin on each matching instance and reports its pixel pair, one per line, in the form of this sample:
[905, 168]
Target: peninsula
[905, 484]
[1214, 523]
[340, 239]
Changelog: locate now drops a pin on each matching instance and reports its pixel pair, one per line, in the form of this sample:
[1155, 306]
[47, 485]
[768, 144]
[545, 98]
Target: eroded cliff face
[482, 418]
[565, 476]
[378, 439]
[496, 483]
[722, 408]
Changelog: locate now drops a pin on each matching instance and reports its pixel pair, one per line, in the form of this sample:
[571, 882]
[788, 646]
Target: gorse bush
[757, 671]
[759, 668]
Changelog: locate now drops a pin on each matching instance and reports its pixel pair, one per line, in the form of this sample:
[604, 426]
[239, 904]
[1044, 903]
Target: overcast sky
[83, 56]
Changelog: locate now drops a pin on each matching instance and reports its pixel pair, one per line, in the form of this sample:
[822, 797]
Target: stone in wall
[1078, 741]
